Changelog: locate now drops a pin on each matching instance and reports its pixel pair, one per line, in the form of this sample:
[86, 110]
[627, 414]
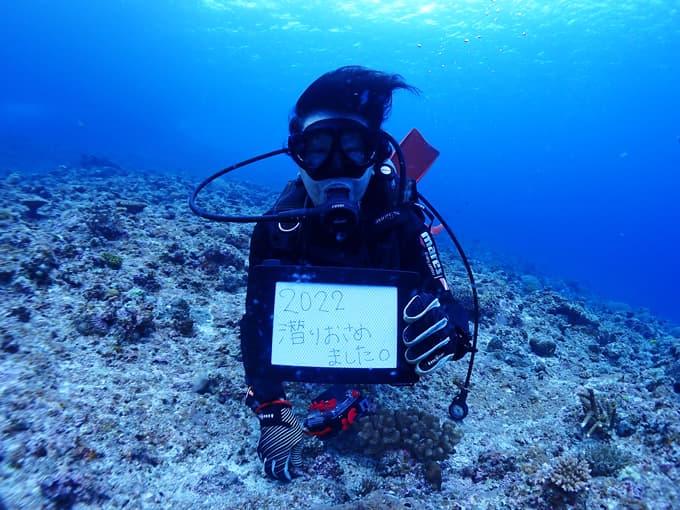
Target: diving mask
[337, 147]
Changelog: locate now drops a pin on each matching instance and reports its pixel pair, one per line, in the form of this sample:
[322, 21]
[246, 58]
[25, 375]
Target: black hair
[353, 90]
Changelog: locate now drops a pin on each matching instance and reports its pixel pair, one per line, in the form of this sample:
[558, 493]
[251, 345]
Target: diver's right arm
[280, 444]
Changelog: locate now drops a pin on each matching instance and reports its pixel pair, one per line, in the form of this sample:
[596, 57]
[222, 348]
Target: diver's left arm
[438, 328]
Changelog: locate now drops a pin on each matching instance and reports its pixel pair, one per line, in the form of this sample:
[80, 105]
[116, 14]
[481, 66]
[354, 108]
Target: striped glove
[429, 337]
[280, 446]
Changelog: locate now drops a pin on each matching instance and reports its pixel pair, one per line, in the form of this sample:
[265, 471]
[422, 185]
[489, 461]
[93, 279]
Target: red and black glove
[334, 411]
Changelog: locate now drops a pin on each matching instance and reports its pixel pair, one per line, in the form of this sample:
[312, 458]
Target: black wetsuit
[386, 237]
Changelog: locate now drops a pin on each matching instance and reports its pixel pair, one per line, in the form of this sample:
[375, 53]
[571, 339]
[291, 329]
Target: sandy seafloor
[121, 383]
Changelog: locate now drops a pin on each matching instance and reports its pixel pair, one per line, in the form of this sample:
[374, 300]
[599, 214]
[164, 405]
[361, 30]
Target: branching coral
[410, 429]
[600, 414]
[568, 473]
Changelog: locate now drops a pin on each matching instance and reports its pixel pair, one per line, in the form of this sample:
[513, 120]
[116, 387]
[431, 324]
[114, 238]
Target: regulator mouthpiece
[339, 214]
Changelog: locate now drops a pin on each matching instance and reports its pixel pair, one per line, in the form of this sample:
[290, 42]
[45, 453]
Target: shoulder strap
[292, 197]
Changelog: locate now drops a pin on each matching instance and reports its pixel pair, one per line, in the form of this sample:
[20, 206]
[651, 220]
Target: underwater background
[558, 122]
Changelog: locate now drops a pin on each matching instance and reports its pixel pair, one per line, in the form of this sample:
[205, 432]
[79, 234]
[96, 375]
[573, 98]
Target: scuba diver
[361, 214]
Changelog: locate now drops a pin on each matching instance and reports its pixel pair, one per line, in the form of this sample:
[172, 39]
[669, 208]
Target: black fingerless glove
[280, 445]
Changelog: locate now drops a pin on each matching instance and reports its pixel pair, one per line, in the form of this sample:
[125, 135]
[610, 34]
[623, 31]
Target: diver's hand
[429, 338]
[334, 411]
[280, 446]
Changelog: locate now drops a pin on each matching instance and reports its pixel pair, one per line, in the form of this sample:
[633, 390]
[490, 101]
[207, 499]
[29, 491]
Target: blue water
[558, 122]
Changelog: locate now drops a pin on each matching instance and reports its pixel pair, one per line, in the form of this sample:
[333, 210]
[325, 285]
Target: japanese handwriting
[334, 325]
